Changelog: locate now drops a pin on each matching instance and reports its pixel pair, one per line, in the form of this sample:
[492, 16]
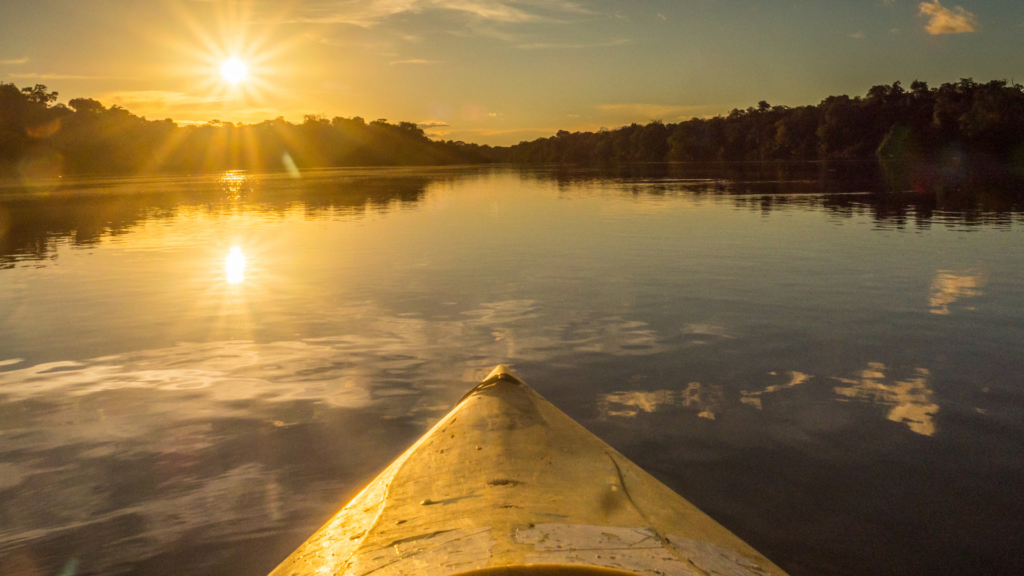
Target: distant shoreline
[954, 125]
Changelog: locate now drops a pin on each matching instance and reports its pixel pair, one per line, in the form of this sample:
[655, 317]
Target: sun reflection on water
[235, 182]
[234, 265]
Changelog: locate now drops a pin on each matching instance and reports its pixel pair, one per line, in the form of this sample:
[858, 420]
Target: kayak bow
[508, 484]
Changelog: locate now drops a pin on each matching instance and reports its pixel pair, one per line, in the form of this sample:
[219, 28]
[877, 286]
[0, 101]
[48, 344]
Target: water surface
[196, 372]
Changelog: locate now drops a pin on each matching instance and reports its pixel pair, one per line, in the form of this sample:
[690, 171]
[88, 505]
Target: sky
[497, 71]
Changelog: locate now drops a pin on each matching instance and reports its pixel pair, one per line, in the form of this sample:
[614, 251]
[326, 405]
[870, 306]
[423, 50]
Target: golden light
[229, 58]
[234, 70]
[234, 265]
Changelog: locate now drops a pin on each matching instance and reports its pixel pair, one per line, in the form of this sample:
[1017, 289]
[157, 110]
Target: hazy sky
[497, 71]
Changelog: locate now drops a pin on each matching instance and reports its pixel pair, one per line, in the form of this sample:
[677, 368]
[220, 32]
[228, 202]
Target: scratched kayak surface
[507, 483]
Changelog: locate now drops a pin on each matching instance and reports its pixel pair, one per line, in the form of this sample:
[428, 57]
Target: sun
[230, 59]
[234, 70]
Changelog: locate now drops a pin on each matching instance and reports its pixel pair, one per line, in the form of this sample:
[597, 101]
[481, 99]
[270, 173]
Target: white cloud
[415, 61]
[358, 13]
[372, 12]
[942, 20]
[547, 46]
[14, 61]
[485, 31]
[857, 35]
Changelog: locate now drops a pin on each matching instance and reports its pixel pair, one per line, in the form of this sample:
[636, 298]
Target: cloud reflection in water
[199, 438]
[911, 399]
[170, 415]
[754, 398]
[706, 400]
[950, 286]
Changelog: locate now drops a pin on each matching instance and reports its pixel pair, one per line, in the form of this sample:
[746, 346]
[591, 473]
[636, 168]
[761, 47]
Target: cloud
[415, 61]
[546, 46]
[358, 13]
[38, 76]
[437, 129]
[633, 112]
[183, 107]
[14, 61]
[370, 13]
[477, 29]
[942, 20]
[159, 97]
[857, 35]
[500, 136]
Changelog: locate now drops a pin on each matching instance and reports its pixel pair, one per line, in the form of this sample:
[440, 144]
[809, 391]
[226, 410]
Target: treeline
[42, 138]
[889, 123]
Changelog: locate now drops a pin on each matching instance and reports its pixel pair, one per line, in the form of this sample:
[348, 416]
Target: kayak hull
[508, 484]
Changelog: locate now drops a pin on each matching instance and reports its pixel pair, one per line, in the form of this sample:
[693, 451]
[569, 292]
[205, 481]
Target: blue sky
[498, 71]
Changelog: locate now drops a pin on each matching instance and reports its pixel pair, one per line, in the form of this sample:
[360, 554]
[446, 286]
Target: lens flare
[234, 266]
[234, 70]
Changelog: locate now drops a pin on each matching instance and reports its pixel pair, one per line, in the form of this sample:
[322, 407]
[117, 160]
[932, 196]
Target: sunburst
[231, 59]
[232, 66]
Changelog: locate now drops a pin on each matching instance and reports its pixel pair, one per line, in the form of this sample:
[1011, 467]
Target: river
[196, 372]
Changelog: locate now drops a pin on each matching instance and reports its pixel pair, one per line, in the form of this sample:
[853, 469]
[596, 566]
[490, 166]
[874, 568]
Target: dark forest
[40, 137]
[889, 123]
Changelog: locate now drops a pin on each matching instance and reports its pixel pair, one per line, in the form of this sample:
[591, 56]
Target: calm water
[196, 372]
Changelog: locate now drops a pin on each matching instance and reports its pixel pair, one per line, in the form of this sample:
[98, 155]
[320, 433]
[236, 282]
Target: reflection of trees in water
[85, 212]
[32, 227]
[898, 210]
[769, 177]
[893, 194]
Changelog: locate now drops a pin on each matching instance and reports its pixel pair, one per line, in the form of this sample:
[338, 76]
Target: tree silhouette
[964, 119]
[889, 122]
[41, 138]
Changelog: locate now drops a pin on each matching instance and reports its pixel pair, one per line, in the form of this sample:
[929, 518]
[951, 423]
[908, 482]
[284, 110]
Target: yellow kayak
[507, 484]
